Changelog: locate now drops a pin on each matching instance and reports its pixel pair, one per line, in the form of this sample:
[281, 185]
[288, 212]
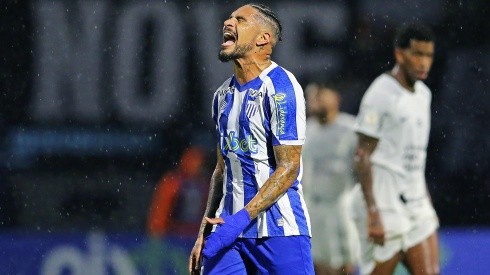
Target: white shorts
[406, 223]
[334, 236]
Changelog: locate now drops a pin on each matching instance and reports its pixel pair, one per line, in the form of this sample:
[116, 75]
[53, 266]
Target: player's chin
[226, 50]
[421, 75]
[224, 56]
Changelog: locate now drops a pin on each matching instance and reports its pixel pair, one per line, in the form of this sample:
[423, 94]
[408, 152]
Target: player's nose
[228, 23]
[426, 62]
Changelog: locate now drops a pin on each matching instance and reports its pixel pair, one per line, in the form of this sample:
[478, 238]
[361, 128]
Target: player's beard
[239, 52]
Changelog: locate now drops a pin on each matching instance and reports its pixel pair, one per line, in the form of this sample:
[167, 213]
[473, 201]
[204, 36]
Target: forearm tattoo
[288, 162]
[214, 196]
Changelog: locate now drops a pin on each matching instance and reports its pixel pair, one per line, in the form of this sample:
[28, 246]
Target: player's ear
[399, 55]
[264, 39]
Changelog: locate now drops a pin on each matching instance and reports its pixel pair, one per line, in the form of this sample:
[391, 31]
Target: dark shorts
[272, 255]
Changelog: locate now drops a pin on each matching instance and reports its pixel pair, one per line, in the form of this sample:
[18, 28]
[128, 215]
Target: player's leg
[378, 259]
[322, 269]
[349, 249]
[280, 255]
[228, 261]
[324, 230]
[423, 258]
[387, 267]
[373, 258]
[434, 255]
[422, 255]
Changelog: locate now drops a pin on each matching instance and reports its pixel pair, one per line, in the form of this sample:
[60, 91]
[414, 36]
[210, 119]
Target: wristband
[226, 233]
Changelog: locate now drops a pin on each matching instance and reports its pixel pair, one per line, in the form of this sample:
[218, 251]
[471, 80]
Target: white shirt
[400, 120]
[328, 157]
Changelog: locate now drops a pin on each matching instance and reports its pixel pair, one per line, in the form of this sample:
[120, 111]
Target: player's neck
[401, 76]
[249, 68]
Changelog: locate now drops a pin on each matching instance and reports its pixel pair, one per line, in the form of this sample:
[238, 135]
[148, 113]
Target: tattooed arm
[214, 198]
[288, 161]
[231, 226]
[215, 192]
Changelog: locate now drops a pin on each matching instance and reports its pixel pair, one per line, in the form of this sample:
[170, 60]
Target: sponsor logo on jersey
[233, 143]
[281, 112]
[255, 93]
[228, 90]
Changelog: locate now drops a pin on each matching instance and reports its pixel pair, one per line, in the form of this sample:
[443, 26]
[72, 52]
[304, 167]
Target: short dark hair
[412, 31]
[271, 17]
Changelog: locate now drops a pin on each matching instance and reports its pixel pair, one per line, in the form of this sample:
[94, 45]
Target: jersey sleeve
[374, 111]
[287, 108]
[224, 88]
[214, 108]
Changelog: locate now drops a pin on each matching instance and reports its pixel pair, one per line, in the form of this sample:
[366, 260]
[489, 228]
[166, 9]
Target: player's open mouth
[228, 39]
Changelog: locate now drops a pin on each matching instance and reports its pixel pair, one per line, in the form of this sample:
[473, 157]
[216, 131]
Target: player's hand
[228, 229]
[376, 231]
[195, 259]
[214, 221]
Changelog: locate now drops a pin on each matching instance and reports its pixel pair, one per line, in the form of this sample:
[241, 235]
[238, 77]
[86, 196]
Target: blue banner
[92, 253]
[98, 253]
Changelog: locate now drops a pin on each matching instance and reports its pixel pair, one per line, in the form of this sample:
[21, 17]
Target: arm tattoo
[215, 194]
[288, 162]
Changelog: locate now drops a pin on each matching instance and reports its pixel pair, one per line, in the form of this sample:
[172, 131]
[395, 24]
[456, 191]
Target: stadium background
[99, 98]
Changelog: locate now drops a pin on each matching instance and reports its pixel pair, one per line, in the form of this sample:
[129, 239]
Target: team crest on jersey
[251, 108]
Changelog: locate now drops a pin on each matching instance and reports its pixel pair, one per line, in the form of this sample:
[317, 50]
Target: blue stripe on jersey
[223, 122]
[228, 207]
[215, 109]
[250, 187]
[299, 214]
[285, 100]
[273, 217]
[270, 138]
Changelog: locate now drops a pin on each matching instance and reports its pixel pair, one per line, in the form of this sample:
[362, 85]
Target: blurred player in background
[311, 92]
[328, 180]
[179, 197]
[256, 201]
[393, 211]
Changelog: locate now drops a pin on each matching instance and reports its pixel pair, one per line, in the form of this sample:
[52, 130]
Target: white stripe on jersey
[261, 177]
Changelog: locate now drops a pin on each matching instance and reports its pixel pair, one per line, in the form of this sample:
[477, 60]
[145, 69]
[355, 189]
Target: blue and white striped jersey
[251, 119]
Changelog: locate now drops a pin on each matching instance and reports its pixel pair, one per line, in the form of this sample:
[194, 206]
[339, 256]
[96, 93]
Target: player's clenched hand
[195, 257]
[376, 232]
[228, 229]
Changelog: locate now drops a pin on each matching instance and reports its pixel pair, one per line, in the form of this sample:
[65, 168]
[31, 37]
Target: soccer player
[396, 220]
[255, 205]
[328, 180]
[311, 91]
